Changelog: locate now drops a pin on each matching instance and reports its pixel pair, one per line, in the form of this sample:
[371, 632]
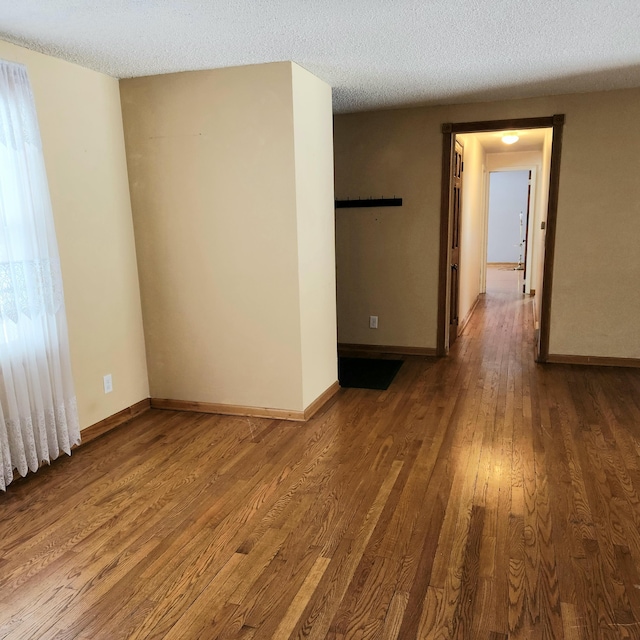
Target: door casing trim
[449, 131]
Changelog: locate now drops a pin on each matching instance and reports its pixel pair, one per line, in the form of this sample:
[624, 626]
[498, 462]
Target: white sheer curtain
[38, 415]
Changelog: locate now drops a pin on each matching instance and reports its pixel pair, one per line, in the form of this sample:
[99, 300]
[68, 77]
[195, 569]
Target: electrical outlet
[108, 383]
[373, 322]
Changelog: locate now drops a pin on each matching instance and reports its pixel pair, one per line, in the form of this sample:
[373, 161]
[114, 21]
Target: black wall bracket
[369, 202]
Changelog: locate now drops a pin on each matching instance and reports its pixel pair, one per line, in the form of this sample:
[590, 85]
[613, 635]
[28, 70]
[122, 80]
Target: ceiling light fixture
[510, 138]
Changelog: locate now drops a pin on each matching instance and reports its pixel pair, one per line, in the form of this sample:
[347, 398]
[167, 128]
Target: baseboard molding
[463, 324]
[598, 361]
[373, 350]
[114, 421]
[321, 400]
[246, 411]
[226, 409]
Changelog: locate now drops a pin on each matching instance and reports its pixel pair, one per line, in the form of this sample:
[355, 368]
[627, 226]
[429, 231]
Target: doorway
[508, 221]
[450, 277]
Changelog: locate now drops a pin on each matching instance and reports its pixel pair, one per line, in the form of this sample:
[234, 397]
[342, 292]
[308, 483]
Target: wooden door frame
[449, 131]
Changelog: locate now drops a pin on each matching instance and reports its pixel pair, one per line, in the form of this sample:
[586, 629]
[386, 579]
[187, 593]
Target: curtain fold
[38, 414]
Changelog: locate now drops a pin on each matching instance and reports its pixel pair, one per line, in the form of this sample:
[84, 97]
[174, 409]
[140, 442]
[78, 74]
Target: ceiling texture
[374, 53]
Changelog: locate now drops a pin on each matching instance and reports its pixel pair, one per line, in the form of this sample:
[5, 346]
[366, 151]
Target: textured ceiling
[375, 53]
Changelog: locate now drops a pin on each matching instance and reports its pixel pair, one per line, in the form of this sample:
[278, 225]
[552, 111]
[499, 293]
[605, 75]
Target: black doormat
[367, 373]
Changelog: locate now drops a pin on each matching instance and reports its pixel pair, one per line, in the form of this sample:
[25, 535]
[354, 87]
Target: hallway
[481, 496]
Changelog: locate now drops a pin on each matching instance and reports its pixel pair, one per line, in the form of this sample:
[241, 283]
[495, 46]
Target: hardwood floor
[481, 496]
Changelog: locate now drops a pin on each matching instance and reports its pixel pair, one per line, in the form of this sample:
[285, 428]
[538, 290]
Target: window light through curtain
[38, 415]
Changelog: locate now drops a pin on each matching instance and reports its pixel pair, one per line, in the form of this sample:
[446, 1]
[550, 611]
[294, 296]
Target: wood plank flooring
[480, 496]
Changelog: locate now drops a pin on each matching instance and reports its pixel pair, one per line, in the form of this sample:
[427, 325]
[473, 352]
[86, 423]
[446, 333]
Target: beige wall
[81, 127]
[540, 235]
[471, 224]
[389, 260]
[514, 160]
[382, 255]
[313, 138]
[212, 167]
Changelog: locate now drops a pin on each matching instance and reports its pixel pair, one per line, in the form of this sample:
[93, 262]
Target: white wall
[508, 196]
[81, 127]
